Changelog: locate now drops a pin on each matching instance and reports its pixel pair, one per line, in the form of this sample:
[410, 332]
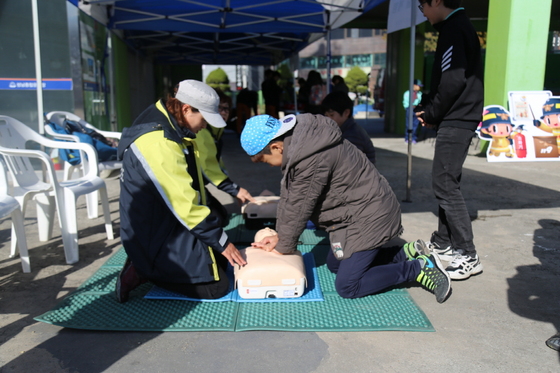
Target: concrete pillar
[515, 48]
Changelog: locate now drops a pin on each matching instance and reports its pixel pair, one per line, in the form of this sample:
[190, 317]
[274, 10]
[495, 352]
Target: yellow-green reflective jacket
[166, 228]
[212, 169]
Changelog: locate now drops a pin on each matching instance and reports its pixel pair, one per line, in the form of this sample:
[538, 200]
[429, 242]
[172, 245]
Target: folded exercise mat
[312, 292]
[93, 306]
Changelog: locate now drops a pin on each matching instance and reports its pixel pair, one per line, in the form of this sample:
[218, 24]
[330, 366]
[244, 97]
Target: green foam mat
[387, 311]
[93, 306]
[98, 311]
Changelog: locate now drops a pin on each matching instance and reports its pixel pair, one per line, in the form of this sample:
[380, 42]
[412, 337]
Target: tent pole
[328, 51]
[328, 61]
[410, 100]
[38, 71]
[113, 114]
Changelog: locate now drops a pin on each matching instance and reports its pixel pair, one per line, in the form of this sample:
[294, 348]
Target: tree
[285, 75]
[357, 80]
[218, 79]
[431, 39]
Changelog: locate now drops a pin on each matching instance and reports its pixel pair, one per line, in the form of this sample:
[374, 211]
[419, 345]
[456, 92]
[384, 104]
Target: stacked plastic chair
[50, 194]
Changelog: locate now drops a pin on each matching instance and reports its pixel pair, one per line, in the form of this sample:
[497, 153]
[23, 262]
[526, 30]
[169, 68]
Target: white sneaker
[463, 266]
[446, 254]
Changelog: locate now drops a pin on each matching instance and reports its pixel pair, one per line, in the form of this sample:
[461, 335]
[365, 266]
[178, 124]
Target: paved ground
[495, 322]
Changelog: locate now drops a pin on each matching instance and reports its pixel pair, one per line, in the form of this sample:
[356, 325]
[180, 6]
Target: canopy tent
[217, 48]
[236, 15]
[227, 31]
[219, 31]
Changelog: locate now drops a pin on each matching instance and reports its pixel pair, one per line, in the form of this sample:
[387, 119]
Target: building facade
[365, 48]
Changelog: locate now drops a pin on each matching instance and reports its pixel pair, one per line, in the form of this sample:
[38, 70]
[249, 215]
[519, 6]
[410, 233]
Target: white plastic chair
[9, 206]
[13, 138]
[58, 117]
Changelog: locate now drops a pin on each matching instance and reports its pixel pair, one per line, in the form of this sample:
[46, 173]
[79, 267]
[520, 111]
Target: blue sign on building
[62, 84]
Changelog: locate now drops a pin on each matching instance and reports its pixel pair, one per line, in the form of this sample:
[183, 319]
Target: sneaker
[554, 342]
[434, 277]
[127, 281]
[463, 267]
[414, 249]
[447, 254]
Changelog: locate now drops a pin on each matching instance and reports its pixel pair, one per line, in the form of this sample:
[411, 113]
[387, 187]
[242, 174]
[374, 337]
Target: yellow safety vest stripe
[207, 152]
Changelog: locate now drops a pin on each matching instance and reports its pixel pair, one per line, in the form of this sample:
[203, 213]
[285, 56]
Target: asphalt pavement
[497, 321]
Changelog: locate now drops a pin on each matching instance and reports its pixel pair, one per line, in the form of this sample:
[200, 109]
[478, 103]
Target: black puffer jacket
[330, 181]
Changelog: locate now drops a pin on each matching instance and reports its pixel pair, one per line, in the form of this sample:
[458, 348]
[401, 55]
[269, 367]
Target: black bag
[73, 126]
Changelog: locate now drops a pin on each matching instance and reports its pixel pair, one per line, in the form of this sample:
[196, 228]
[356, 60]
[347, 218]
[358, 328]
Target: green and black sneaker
[414, 249]
[434, 277]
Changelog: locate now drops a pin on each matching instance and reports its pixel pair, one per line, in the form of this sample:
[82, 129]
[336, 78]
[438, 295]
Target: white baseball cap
[203, 98]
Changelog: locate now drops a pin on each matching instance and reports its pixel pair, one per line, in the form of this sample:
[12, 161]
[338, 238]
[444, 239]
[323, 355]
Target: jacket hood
[154, 118]
[312, 134]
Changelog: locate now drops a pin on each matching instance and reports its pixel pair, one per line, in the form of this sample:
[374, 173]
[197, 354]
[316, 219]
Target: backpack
[105, 152]
[318, 93]
[73, 126]
[71, 156]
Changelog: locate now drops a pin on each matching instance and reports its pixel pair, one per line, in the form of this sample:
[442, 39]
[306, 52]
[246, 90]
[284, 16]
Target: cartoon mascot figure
[496, 125]
[550, 121]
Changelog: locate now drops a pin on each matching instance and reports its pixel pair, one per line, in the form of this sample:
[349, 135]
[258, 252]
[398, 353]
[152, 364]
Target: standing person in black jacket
[453, 106]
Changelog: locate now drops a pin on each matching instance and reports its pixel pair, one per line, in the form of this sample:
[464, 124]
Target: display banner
[528, 132]
[63, 84]
[399, 16]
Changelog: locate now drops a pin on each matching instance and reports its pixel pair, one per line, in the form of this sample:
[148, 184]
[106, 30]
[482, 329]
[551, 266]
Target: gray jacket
[332, 183]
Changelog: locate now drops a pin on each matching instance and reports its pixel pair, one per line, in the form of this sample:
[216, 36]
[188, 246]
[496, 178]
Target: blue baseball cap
[262, 129]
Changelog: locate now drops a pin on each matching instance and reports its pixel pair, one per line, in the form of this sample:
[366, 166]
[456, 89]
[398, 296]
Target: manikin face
[274, 159]
[265, 232]
[339, 119]
[195, 120]
[552, 120]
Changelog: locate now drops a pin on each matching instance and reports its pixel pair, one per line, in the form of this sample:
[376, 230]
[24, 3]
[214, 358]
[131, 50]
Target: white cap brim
[288, 122]
[213, 119]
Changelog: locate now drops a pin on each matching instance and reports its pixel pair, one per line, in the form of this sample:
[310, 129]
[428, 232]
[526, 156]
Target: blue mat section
[312, 292]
